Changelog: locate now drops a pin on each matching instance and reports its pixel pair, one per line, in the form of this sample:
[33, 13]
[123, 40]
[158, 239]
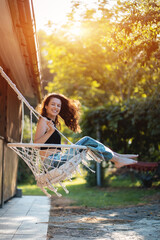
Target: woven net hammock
[51, 164]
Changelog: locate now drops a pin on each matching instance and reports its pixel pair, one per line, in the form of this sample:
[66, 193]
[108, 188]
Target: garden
[111, 64]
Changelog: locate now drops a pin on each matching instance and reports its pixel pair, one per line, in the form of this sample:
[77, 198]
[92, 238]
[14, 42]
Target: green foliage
[27, 129]
[147, 178]
[115, 57]
[128, 127]
[131, 127]
[91, 178]
[46, 76]
[24, 173]
[113, 68]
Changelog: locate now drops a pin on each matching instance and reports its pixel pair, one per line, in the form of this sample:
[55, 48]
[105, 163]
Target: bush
[24, 173]
[131, 127]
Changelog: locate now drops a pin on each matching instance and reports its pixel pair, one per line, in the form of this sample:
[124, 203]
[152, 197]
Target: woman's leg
[132, 156]
[120, 161]
[106, 153]
[97, 147]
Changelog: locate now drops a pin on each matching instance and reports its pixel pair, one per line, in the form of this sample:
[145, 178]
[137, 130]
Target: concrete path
[25, 218]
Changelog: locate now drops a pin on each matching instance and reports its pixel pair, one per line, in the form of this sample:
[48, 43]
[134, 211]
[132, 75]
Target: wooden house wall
[10, 173]
[13, 127]
[10, 126]
[3, 106]
[1, 167]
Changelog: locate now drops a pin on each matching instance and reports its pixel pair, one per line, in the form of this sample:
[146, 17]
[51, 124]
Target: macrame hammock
[51, 164]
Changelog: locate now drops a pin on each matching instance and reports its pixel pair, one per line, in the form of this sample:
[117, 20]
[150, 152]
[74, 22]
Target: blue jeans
[98, 148]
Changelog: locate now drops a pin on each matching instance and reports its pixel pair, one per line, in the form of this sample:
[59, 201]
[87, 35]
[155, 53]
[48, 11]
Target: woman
[57, 105]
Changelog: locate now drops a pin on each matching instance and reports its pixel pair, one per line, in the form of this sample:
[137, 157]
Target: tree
[46, 76]
[115, 57]
[139, 46]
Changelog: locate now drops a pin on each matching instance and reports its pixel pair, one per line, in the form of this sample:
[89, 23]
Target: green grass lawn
[119, 193]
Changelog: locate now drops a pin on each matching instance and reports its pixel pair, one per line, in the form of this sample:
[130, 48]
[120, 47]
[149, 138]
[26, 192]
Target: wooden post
[2, 177]
[98, 166]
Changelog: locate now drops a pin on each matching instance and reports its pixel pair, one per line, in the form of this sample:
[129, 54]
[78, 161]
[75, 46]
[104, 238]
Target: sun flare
[75, 30]
[54, 11]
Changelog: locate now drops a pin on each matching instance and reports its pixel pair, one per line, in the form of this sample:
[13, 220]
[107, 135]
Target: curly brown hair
[70, 111]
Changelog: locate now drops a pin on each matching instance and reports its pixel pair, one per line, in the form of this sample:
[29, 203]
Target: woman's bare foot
[121, 162]
[131, 156]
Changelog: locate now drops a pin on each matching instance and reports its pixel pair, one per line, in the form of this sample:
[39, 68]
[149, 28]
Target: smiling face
[53, 108]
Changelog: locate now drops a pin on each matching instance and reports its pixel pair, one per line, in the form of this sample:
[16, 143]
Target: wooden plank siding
[3, 106]
[1, 170]
[13, 127]
[20, 61]
[10, 127]
[10, 173]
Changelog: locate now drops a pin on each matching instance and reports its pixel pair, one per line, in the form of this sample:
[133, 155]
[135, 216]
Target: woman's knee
[86, 137]
[84, 140]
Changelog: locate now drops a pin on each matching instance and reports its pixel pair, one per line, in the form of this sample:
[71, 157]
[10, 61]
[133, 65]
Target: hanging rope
[22, 104]
[31, 126]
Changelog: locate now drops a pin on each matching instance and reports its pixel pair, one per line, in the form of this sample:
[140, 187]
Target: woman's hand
[44, 130]
[51, 127]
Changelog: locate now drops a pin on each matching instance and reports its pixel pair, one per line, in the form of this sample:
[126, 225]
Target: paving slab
[25, 218]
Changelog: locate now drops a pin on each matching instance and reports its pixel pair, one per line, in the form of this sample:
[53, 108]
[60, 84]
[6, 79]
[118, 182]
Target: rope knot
[20, 97]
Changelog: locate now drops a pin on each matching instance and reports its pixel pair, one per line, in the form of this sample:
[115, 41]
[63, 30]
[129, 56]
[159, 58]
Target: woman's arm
[44, 130]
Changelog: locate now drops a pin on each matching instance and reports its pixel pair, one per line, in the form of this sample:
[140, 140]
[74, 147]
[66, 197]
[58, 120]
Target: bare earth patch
[69, 222]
